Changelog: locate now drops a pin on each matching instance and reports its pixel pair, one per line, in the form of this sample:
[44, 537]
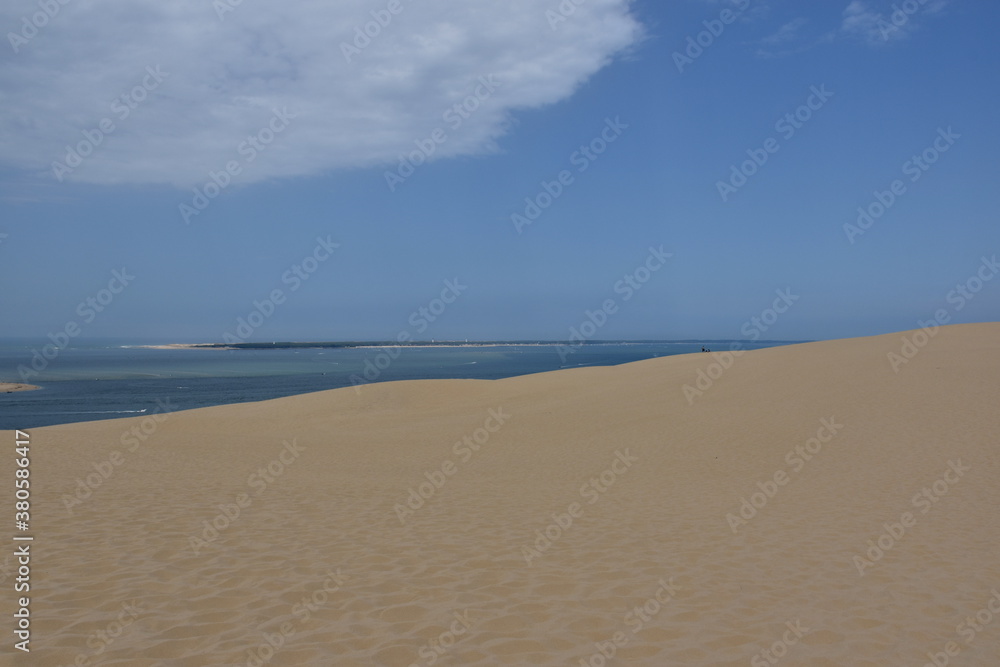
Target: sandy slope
[649, 560]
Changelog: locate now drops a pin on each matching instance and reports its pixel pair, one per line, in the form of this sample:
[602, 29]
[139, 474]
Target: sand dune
[811, 502]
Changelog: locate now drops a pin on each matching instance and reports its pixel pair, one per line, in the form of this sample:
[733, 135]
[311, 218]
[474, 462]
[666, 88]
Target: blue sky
[310, 128]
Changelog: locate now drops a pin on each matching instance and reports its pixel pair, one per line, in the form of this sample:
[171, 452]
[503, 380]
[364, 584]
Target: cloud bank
[164, 92]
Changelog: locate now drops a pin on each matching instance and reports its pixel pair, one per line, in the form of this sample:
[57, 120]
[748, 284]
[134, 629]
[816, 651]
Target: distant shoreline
[342, 345]
[286, 345]
[11, 387]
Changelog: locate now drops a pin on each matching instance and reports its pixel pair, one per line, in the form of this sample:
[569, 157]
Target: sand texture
[566, 513]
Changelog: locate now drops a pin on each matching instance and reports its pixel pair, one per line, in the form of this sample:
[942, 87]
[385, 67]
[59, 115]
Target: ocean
[105, 380]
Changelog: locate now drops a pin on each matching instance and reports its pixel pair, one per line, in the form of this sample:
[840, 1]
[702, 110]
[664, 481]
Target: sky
[445, 169]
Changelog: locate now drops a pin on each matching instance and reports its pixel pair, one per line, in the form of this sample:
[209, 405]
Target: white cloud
[897, 24]
[789, 40]
[862, 22]
[224, 77]
[786, 33]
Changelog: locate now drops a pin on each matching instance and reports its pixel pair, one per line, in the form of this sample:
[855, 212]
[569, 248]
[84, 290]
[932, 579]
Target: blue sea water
[108, 381]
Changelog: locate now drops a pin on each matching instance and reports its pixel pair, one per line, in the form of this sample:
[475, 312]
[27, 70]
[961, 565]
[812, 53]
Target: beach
[825, 504]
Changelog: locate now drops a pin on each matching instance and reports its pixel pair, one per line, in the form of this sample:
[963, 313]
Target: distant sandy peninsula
[185, 346]
[286, 345]
[11, 387]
